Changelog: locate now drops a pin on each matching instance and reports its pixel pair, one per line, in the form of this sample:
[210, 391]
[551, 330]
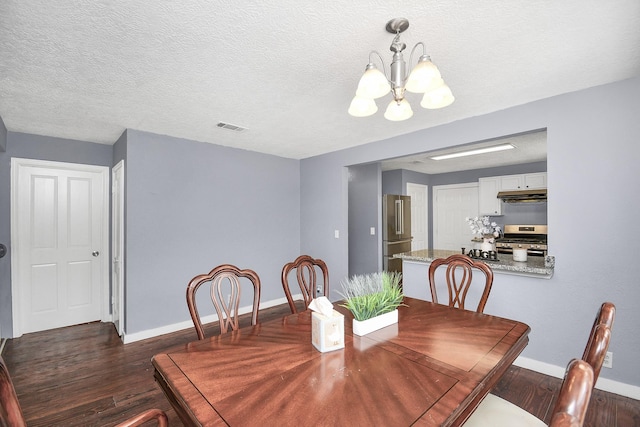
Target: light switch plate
[608, 360]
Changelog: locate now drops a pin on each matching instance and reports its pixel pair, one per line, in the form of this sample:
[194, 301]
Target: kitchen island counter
[533, 267]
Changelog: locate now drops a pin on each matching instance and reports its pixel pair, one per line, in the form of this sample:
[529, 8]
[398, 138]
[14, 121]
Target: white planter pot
[366, 326]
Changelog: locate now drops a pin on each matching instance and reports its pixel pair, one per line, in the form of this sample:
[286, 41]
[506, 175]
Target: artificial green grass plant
[371, 295]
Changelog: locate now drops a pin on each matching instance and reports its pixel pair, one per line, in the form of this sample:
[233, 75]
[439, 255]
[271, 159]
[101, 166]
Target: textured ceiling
[286, 70]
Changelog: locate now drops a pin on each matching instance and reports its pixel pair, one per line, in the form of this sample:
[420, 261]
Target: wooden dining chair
[225, 299]
[574, 396]
[459, 276]
[307, 269]
[569, 410]
[11, 412]
[495, 411]
[598, 343]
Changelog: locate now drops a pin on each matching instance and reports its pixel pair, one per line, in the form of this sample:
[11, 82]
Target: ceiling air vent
[229, 126]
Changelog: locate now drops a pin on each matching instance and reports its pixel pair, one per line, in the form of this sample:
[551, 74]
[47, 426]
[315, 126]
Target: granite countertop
[533, 267]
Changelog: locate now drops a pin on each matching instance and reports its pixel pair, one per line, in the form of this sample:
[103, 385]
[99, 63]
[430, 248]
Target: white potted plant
[373, 299]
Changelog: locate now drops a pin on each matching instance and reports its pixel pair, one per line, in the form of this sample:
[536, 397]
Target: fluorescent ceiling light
[474, 152]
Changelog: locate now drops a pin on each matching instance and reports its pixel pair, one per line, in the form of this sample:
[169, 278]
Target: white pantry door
[451, 205]
[59, 230]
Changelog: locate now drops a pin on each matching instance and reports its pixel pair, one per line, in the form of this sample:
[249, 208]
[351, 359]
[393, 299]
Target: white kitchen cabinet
[523, 181]
[488, 188]
[511, 182]
[488, 203]
[535, 180]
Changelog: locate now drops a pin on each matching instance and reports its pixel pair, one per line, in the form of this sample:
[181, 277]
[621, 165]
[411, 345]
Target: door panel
[47, 297]
[79, 295]
[59, 220]
[452, 204]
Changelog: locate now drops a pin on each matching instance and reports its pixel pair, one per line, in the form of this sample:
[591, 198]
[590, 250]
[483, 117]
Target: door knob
[95, 253]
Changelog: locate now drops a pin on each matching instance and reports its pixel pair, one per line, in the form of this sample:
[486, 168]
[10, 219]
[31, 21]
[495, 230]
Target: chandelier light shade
[362, 107]
[425, 78]
[398, 111]
[373, 83]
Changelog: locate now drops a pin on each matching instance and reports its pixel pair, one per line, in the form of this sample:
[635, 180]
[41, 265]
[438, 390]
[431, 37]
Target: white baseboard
[188, 324]
[603, 384]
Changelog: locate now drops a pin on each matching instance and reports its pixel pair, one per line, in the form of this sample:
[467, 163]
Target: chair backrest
[225, 299]
[306, 269]
[459, 275]
[10, 411]
[573, 400]
[598, 342]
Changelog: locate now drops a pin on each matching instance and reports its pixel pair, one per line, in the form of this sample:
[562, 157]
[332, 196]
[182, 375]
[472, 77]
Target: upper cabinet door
[535, 180]
[511, 182]
[488, 203]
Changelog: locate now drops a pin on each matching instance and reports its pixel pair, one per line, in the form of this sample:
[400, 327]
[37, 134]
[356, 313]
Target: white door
[117, 246]
[451, 205]
[419, 215]
[59, 223]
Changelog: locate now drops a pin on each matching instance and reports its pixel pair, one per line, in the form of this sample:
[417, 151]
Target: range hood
[523, 196]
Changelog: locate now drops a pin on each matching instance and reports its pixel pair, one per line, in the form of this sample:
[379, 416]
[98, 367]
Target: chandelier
[425, 78]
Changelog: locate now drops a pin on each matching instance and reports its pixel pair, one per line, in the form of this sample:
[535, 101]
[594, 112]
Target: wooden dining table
[432, 368]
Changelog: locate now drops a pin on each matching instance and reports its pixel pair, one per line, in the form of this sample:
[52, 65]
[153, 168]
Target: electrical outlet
[608, 360]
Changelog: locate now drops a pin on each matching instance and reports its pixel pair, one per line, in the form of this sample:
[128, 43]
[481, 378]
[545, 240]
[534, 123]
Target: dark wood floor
[84, 376]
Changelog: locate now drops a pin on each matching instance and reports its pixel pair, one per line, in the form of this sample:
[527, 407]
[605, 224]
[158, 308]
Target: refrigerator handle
[398, 215]
[401, 217]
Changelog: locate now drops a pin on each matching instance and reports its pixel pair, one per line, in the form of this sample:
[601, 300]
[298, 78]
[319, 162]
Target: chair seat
[494, 411]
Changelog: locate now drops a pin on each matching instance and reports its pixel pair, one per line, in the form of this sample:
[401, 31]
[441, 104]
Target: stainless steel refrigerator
[396, 234]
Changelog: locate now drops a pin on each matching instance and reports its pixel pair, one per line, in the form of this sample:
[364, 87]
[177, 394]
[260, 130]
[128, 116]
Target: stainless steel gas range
[533, 238]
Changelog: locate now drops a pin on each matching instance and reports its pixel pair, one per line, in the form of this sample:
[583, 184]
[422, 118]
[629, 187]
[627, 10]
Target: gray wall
[3, 136]
[189, 207]
[192, 206]
[42, 148]
[592, 169]
[365, 206]
[392, 182]
[395, 181]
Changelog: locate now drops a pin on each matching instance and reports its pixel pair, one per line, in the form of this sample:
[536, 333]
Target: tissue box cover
[327, 333]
